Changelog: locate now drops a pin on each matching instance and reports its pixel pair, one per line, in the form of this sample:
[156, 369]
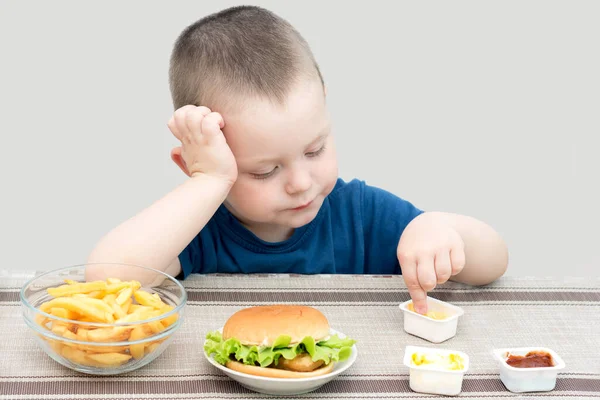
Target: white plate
[286, 386]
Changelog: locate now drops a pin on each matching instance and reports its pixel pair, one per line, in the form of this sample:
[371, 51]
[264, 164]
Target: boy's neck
[268, 232]
[271, 233]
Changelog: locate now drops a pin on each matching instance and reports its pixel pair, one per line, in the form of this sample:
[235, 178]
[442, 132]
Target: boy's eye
[264, 176]
[316, 153]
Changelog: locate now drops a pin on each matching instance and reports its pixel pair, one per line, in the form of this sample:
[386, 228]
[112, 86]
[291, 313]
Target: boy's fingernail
[421, 310]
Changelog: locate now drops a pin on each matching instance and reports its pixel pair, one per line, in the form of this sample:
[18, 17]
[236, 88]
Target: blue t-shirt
[356, 231]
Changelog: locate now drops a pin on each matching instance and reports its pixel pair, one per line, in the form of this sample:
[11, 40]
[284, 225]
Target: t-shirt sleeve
[190, 258]
[385, 216]
[200, 255]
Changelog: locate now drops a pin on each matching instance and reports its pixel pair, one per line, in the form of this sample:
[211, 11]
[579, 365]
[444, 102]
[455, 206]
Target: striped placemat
[563, 315]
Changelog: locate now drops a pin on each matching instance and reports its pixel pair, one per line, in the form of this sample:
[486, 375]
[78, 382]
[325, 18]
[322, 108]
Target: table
[563, 315]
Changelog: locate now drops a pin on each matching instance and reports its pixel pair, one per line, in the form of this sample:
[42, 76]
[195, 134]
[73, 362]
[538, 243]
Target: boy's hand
[430, 251]
[203, 149]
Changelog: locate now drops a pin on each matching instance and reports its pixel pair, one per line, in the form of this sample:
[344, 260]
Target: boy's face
[286, 161]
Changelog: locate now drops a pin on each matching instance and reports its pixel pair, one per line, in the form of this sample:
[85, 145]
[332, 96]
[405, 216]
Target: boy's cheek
[331, 172]
[247, 188]
[248, 195]
[331, 180]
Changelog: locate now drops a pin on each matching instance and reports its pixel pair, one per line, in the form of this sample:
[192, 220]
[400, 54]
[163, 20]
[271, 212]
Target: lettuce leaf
[332, 349]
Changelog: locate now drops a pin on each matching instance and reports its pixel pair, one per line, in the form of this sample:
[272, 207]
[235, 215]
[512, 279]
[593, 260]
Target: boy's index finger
[419, 299]
[411, 279]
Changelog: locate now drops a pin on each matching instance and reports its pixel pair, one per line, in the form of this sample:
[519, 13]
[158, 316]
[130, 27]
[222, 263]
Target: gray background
[477, 107]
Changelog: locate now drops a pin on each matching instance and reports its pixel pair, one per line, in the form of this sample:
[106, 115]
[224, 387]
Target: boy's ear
[325, 90]
[177, 159]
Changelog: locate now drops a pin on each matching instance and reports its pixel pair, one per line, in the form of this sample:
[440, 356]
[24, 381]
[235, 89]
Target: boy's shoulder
[343, 187]
[358, 189]
[357, 194]
[346, 191]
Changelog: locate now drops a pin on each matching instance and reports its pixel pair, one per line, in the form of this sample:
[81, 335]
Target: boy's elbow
[503, 263]
[500, 261]
[487, 268]
[102, 263]
[493, 272]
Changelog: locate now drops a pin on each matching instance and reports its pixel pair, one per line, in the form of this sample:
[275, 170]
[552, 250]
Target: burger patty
[301, 363]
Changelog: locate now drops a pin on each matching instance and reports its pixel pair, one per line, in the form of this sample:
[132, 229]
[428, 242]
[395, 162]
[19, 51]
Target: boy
[263, 193]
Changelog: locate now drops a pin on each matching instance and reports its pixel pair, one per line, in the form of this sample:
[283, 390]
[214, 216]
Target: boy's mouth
[302, 207]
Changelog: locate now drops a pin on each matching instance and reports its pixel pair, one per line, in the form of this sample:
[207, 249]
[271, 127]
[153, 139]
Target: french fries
[110, 301]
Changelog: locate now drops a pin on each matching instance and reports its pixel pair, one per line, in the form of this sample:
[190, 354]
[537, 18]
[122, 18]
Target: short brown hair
[243, 51]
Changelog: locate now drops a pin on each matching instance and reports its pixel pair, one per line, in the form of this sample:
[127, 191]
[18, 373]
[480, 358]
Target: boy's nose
[299, 181]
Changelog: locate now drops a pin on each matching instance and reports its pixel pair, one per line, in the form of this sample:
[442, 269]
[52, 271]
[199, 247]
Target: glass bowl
[103, 319]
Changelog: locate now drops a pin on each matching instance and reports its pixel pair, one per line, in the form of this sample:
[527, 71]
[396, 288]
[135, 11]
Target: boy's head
[239, 54]
[256, 70]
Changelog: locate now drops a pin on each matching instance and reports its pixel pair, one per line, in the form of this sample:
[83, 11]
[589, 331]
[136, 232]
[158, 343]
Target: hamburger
[278, 341]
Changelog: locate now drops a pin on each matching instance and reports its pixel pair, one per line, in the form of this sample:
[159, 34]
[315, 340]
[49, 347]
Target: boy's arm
[486, 254]
[155, 237]
[438, 246]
